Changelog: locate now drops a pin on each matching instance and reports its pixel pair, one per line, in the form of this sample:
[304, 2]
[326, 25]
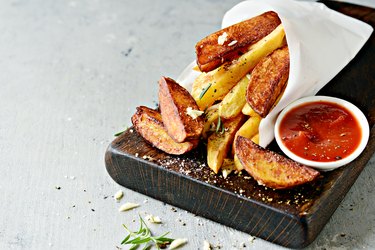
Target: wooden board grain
[291, 218]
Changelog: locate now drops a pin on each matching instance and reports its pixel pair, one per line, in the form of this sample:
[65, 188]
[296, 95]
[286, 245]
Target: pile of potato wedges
[244, 71]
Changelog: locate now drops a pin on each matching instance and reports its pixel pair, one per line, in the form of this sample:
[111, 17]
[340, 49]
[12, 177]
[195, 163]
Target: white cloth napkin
[321, 42]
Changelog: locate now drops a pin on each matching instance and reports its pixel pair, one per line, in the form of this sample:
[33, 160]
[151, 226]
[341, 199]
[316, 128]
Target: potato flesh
[219, 143]
[233, 102]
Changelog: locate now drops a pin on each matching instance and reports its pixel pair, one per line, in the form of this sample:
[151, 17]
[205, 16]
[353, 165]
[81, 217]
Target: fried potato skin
[267, 81]
[218, 144]
[211, 54]
[270, 169]
[173, 102]
[148, 123]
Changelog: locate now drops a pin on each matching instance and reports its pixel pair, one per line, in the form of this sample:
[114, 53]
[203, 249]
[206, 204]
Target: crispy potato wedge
[219, 143]
[210, 119]
[228, 43]
[268, 80]
[215, 84]
[234, 101]
[174, 101]
[149, 125]
[271, 169]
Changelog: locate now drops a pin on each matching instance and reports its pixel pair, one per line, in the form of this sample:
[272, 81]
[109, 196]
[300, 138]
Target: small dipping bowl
[325, 165]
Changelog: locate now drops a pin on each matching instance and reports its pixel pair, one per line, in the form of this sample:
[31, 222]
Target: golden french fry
[247, 110]
[211, 116]
[237, 163]
[249, 129]
[255, 139]
[219, 143]
[218, 82]
[233, 102]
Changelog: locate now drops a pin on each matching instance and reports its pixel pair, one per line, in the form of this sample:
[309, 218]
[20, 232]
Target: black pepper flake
[92, 209]
[58, 187]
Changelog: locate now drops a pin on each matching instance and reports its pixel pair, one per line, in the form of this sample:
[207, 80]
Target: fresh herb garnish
[219, 126]
[144, 237]
[119, 133]
[204, 91]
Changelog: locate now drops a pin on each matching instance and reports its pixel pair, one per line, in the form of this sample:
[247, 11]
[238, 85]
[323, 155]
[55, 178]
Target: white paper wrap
[321, 42]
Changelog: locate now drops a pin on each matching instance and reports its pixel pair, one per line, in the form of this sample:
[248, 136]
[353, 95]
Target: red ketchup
[320, 131]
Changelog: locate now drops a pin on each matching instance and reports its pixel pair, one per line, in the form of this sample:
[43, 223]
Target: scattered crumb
[177, 243]
[193, 113]
[136, 154]
[206, 245]
[251, 239]
[222, 38]
[128, 206]
[118, 195]
[153, 219]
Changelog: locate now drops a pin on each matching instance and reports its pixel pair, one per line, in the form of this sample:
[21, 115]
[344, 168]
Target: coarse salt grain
[222, 38]
[177, 243]
[232, 43]
[118, 195]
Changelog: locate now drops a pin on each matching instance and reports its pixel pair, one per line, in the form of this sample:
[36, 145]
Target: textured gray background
[72, 73]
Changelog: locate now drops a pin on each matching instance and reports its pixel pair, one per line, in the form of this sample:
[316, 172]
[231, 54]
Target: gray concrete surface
[72, 73]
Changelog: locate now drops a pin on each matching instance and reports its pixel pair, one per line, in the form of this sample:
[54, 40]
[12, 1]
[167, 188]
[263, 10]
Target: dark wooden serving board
[291, 218]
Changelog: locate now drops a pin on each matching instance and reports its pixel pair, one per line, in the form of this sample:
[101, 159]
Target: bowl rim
[325, 166]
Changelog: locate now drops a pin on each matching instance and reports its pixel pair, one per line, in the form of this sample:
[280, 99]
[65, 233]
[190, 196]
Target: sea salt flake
[222, 38]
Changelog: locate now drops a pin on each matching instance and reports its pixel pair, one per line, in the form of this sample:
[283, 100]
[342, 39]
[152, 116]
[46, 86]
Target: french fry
[255, 139]
[218, 82]
[248, 110]
[212, 114]
[233, 102]
[237, 163]
[219, 143]
[249, 129]
[271, 169]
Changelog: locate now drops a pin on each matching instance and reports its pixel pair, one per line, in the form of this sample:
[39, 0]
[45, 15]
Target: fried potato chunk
[219, 143]
[229, 43]
[234, 101]
[174, 102]
[271, 169]
[148, 123]
[268, 80]
[214, 85]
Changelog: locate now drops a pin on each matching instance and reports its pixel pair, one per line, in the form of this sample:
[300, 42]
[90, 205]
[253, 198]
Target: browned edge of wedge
[271, 169]
[148, 123]
[173, 102]
[268, 80]
[211, 54]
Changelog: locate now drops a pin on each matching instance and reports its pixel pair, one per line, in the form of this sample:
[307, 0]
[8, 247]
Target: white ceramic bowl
[325, 166]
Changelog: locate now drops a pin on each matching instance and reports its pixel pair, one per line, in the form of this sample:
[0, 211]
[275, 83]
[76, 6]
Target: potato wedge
[148, 123]
[219, 143]
[234, 101]
[255, 139]
[270, 169]
[228, 43]
[267, 81]
[217, 83]
[237, 163]
[228, 167]
[174, 102]
[210, 120]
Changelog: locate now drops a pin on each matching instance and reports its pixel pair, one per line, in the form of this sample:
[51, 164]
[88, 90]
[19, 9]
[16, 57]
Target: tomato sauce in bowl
[323, 133]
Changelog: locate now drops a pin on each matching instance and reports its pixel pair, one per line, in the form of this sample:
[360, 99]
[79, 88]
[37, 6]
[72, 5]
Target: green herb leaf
[219, 125]
[144, 237]
[119, 133]
[204, 91]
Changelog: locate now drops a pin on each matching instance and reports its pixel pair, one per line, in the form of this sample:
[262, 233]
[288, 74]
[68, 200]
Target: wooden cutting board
[291, 218]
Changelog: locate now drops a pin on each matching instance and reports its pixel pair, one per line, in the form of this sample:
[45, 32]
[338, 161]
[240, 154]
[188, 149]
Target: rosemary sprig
[204, 91]
[144, 237]
[220, 126]
[119, 133]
